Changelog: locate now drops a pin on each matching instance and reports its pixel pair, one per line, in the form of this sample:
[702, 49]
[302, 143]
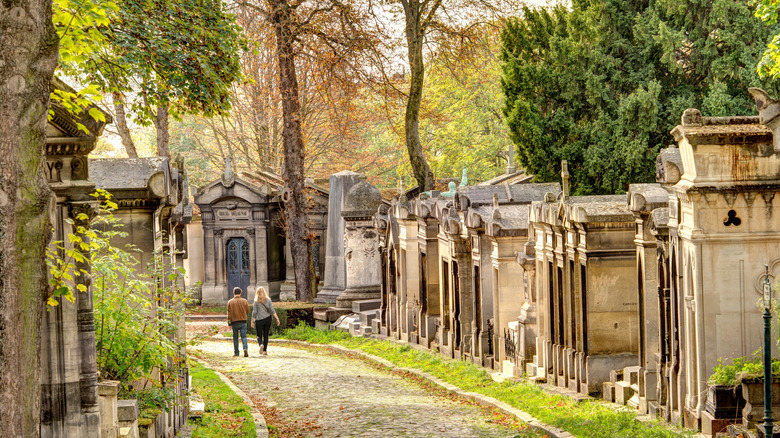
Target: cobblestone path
[343, 397]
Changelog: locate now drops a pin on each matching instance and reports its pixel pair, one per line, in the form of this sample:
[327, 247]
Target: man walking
[237, 310]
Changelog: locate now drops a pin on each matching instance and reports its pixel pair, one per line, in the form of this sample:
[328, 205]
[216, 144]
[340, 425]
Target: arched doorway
[237, 265]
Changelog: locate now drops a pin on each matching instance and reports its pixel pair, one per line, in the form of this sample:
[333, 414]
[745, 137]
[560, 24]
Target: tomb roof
[507, 193]
[599, 208]
[518, 177]
[646, 197]
[721, 130]
[125, 173]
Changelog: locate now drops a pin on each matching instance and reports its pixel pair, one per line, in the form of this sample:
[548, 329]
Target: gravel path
[327, 395]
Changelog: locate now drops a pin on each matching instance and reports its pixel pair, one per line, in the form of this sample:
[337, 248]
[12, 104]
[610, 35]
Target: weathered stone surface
[335, 278]
[127, 410]
[68, 365]
[361, 243]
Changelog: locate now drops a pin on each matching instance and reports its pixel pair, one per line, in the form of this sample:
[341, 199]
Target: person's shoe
[261, 350]
[265, 353]
[246, 353]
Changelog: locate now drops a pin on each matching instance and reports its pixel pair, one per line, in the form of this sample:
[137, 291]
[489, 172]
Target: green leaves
[602, 85]
[178, 53]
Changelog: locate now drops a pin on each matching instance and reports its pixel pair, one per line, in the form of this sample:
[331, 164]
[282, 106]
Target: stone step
[363, 305]
[367, 317]
[206, 318]
[376, 325]
[530, 370]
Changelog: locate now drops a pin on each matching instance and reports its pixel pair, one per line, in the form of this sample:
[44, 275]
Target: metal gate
[238, 265]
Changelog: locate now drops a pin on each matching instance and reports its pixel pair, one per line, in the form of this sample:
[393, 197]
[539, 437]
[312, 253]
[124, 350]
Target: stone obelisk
[335, 280]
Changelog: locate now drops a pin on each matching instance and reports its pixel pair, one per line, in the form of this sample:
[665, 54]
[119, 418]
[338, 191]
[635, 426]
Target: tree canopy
[602, 83]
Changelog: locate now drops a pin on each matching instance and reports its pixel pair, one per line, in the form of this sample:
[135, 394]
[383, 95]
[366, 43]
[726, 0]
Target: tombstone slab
[335, 267]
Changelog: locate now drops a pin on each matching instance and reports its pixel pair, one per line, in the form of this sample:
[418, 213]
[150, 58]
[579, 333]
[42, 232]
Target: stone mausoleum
[244, 244]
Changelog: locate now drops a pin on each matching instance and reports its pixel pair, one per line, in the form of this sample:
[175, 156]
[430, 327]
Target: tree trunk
[121, 125]
[28, 62]
[281, 16]
[415, 36]
[161, 125]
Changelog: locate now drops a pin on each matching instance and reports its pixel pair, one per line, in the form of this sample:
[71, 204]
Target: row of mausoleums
[630, 297]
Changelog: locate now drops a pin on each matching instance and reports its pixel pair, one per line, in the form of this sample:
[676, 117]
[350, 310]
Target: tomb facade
[69, 401]
[244, 243]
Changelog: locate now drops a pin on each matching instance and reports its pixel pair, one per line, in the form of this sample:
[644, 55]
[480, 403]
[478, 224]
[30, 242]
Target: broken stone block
[609, 392]
[623, 392]
[631, 374]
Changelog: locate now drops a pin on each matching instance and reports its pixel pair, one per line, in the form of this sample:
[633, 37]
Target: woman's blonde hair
[261, 295]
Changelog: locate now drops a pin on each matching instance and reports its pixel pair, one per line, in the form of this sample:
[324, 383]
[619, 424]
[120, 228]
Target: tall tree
[282, 16]
[419, 17]
[603, 83]
[26, 68]
[333, 26]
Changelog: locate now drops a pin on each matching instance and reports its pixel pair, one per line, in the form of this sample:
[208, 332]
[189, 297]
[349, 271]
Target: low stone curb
[481, 399]
[261, 428]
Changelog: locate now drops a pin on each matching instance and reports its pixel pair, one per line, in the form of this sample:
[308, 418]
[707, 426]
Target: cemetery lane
[309, 392]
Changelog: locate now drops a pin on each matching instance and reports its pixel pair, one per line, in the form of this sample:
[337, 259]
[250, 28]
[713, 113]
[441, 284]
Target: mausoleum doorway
[238, 265]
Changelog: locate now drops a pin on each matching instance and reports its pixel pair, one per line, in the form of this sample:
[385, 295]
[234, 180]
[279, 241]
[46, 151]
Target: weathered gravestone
[335, 268]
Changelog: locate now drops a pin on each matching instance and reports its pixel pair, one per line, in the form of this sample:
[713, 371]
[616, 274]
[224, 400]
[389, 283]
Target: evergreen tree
[601, 84]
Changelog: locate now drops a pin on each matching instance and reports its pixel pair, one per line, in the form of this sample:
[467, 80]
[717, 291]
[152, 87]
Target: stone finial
[510, 159]
[691, 117]
[363, 200]
[229, 176]
[496, 212]
[768, 110]
[565, 178]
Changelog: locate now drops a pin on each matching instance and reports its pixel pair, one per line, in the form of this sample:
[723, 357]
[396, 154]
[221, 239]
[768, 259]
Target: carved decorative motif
[218, 232]
[53, 169]
[229, 177]
[78, 168]
[250, 231]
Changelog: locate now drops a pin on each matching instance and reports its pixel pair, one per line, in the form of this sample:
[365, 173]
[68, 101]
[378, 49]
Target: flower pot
[753, 393]
[725, 401]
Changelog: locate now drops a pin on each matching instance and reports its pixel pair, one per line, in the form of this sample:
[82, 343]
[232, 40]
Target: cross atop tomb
[510, 157]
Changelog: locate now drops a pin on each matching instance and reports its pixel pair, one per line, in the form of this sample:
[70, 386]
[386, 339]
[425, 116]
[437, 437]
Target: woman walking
[262, 310]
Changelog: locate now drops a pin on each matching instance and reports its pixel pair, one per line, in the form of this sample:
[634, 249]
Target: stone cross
[510, 166]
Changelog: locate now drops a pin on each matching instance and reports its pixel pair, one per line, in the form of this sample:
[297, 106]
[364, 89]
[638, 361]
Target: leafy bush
[137, 311]
[742, 369]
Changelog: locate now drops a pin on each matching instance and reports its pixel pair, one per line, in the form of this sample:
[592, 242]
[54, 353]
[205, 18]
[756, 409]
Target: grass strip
[583, 419]
[226, 414]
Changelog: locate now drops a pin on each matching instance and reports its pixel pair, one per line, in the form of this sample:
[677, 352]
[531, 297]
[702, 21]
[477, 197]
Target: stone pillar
[361, 243]
[287, 291]
[335, 267]
[261, 253]
[109, 418]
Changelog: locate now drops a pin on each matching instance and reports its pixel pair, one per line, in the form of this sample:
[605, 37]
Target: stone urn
[753, 393]
[725, 401]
